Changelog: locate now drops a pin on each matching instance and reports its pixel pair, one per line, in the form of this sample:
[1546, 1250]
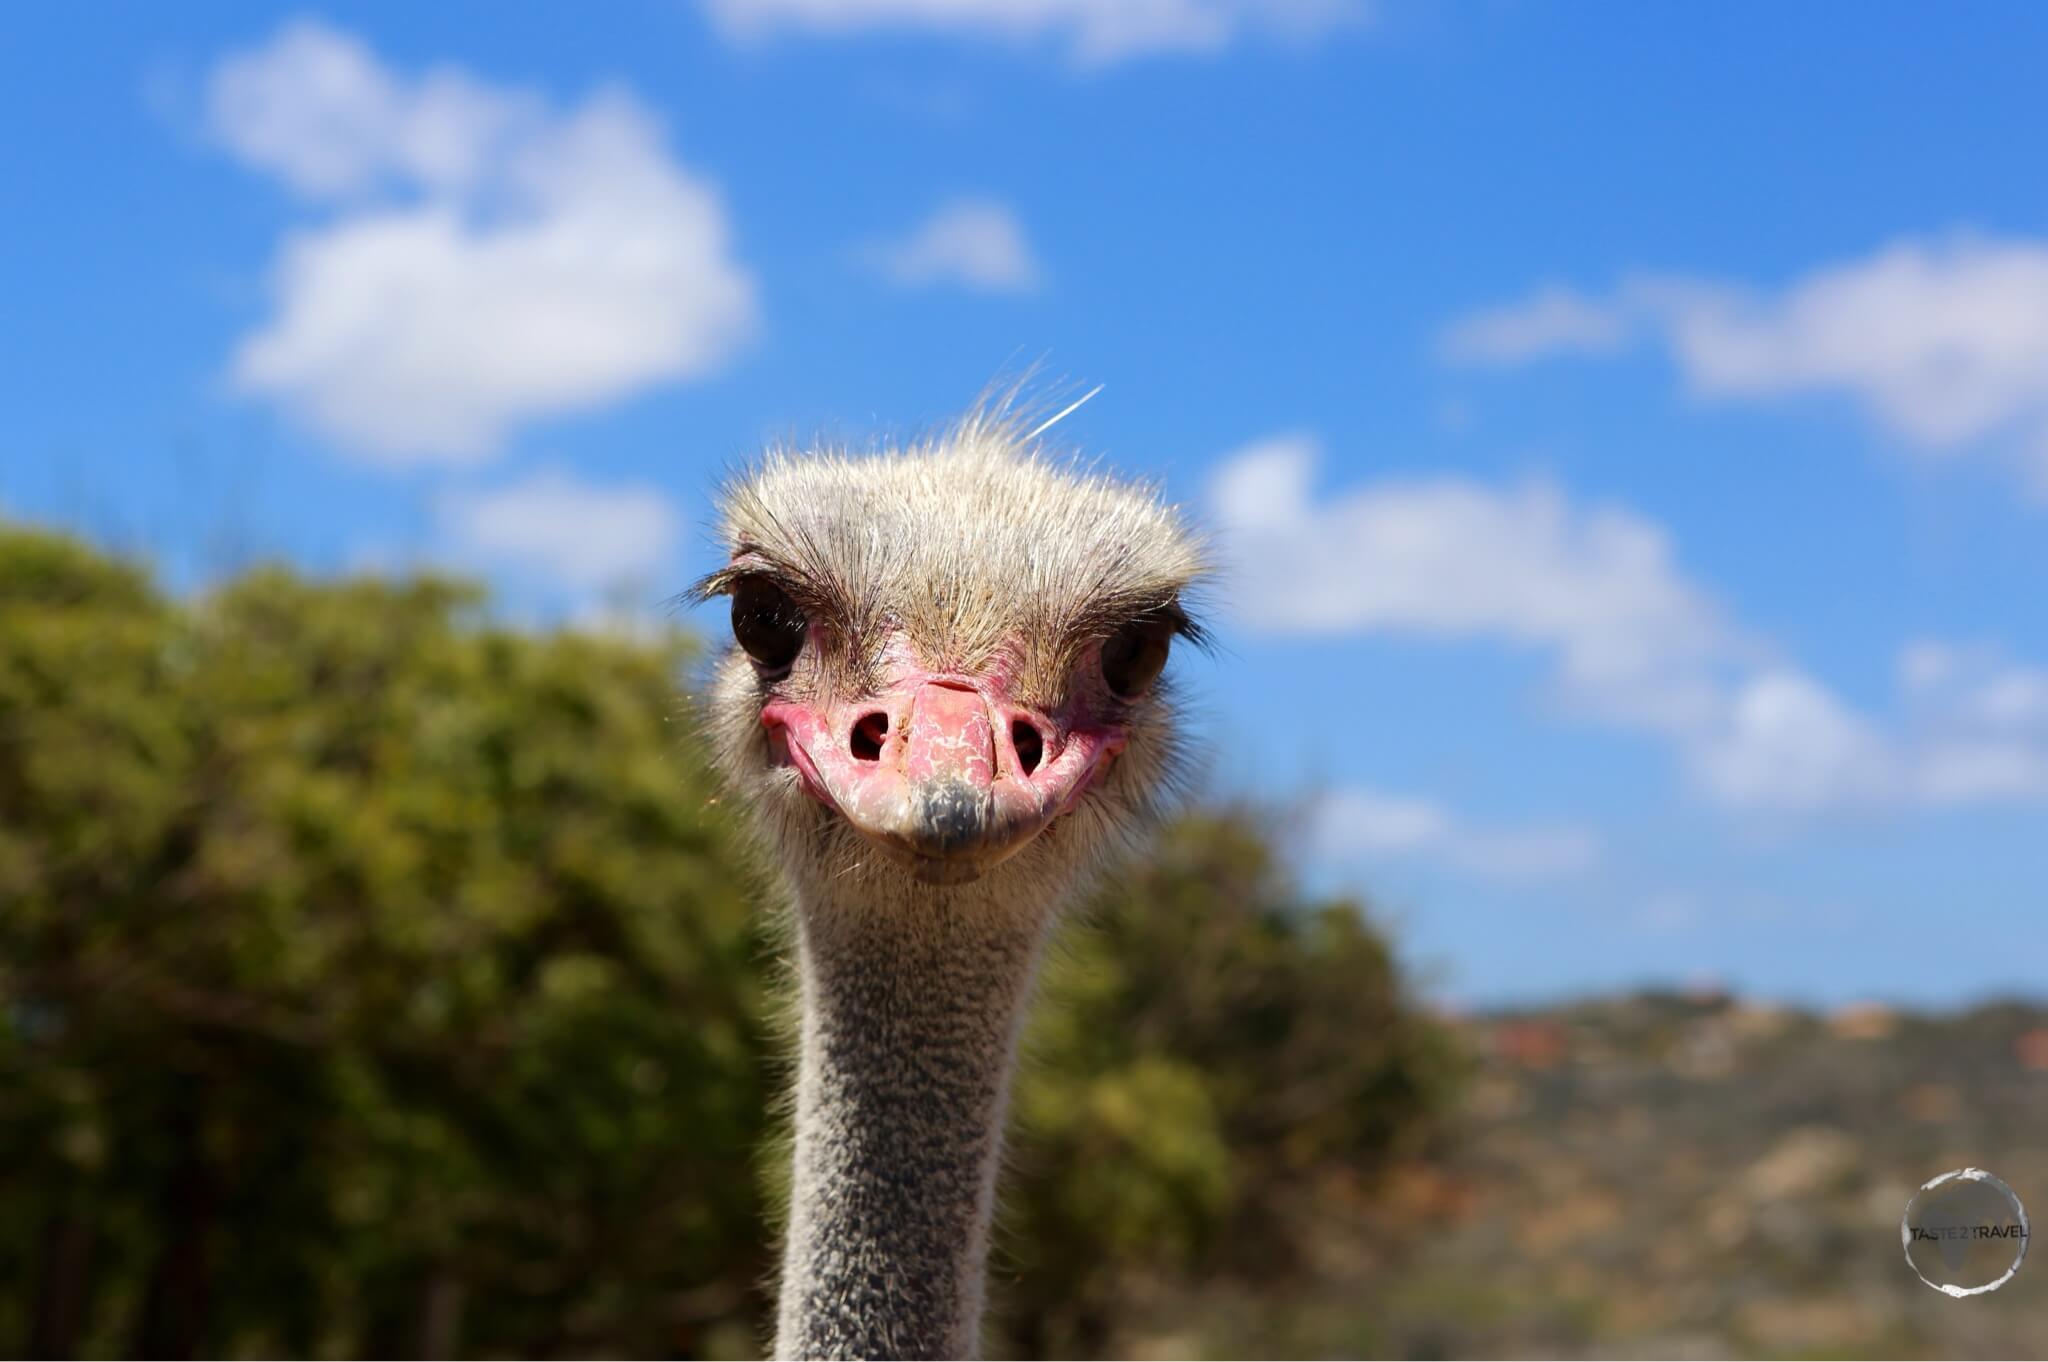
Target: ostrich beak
[944, 772]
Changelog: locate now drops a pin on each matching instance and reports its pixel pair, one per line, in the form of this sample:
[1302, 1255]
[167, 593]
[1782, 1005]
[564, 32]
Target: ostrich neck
[910, 1022]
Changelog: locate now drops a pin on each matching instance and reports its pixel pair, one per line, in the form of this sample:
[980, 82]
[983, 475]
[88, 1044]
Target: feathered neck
[910, 1023]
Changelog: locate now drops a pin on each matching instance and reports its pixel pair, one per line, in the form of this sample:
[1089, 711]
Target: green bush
[1210, 1051]
[377, 979]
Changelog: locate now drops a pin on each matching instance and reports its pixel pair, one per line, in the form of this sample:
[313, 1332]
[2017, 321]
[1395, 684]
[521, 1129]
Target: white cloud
[1552, 321]
[1362, 823]
[554, 527]
[1094, 32]
[1978, 720]
[1634, 642]
[1975, 771]
[1975, 685]
[976, 243]
[1455, 558]
[1785, 739]
[1943, 342]
[488, 259]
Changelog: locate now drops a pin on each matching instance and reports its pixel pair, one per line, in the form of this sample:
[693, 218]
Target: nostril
[1030, 745]
[869, 732]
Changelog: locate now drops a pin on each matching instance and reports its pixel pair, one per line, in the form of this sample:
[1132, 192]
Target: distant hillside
[1680, 1176]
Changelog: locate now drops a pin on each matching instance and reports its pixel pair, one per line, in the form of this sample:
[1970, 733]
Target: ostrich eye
[1134, 656]
[767, 623]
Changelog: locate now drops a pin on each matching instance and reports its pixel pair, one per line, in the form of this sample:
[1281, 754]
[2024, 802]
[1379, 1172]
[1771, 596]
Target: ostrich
[943, 713]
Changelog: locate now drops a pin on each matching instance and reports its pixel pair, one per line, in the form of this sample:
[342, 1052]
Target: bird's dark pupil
[767, 623]
[1134, 656]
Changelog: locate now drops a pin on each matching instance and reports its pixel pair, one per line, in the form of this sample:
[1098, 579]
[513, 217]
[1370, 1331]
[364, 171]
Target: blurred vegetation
[376, 979]
[1658, 1174]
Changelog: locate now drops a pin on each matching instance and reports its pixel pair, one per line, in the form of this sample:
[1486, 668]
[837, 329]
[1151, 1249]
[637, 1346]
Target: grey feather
[975, 549]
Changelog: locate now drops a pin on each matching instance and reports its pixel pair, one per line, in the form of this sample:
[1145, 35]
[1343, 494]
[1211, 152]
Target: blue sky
[1628, 424]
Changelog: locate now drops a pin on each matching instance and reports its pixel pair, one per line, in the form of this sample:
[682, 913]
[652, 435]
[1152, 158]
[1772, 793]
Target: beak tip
[950, 816]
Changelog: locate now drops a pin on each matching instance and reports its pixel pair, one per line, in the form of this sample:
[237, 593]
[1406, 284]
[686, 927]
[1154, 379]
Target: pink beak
[941, 770]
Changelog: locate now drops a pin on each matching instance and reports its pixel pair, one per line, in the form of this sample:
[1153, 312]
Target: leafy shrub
[377, 979]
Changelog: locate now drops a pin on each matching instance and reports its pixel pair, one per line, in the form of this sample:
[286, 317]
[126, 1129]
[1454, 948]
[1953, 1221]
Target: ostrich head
[946, 681]
[944, 707]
